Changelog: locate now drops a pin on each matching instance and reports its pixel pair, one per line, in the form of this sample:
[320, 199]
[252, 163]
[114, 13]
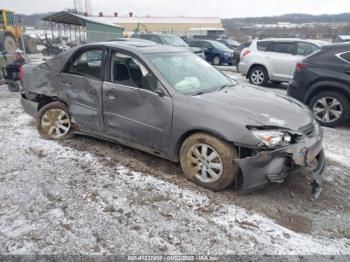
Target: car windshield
[188, 73]
[174, 41]
[220, 46]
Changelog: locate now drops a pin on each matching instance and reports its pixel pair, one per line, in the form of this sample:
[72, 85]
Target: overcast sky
[222, 8]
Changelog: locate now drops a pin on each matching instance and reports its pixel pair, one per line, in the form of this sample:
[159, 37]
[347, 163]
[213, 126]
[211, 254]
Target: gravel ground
[89, 196]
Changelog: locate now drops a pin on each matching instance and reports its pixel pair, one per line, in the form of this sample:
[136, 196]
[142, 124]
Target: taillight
[245, 53]
[21, 73]
[300, 66]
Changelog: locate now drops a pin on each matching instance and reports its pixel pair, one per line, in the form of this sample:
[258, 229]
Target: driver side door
[136, 108]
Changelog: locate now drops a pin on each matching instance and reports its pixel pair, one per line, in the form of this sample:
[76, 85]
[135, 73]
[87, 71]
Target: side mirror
[159, 90]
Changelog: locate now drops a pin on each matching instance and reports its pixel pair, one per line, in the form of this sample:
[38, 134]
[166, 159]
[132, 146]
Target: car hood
[259, 107]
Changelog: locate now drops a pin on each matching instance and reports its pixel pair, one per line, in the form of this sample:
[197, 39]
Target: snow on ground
[58, 198]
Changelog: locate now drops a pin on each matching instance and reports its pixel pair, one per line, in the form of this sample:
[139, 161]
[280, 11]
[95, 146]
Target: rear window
[263, 45]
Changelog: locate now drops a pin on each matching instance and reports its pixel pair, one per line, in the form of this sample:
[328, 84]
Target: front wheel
[330, 108]
[259, 76]
[209, 161]
[53, 121]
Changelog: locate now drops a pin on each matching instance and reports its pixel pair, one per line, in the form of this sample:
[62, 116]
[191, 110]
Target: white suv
[275, 59]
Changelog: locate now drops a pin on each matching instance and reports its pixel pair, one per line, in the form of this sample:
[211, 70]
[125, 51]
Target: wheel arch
[44, 100]
[187, 134]
[258, 65]
[327, 86]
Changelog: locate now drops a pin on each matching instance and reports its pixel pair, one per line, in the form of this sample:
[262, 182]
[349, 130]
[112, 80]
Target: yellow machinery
[11, 34]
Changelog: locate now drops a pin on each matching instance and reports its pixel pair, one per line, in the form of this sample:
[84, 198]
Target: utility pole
[87, 6]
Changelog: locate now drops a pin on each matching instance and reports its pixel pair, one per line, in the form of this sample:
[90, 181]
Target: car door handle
[67, 83]
[110, 95]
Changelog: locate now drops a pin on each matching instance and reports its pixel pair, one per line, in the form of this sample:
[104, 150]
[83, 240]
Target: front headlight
[272, 138]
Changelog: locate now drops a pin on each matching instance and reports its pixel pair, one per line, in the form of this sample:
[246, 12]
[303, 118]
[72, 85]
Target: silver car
[169, 102]
[275, 59]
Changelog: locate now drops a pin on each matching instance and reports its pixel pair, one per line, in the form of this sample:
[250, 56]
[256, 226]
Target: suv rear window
[263, 45]
[283, 47]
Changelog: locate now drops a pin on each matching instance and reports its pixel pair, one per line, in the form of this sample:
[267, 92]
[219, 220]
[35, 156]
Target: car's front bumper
[272, 166]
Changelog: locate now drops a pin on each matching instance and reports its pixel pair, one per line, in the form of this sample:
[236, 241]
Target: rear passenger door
[81, 85]
[281, 59]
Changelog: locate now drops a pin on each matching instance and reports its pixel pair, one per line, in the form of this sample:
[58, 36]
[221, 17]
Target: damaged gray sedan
[169, 102]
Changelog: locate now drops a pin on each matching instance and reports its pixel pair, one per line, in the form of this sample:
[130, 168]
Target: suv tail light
[245, 53]
[300, 66]
[21, 73]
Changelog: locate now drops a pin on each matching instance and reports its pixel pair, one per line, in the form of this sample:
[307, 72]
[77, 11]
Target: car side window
[87, 63]
[263, 45]
[206, 45]
[282, 47]
[305, 49]
[153, 38]
[195, 44]
[128, 71]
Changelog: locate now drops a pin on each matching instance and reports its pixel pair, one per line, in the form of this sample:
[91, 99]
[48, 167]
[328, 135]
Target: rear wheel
[53, 121]
[259, 76]
[330, 108]
[209, 161]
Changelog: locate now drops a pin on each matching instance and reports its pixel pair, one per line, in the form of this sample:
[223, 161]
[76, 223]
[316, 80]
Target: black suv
[322, 81]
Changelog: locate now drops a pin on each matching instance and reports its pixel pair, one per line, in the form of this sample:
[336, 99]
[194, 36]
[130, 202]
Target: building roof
[65, 17]
[159, 20]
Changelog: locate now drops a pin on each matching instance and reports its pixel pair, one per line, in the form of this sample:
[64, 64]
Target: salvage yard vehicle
[172, 40]
[215, 52]
[169, 102]
[322, 81]
[274, 59]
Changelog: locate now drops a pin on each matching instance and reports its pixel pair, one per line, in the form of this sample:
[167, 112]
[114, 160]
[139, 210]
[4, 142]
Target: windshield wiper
[198, 93]
[225, 86]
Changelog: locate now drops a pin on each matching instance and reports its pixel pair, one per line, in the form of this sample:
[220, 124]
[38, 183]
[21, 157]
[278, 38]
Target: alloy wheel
[327, 109]
[205, 163]
[257, 77]
[55, 123]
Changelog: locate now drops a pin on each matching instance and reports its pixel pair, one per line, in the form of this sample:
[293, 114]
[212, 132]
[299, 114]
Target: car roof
[141, 47]
[150, 33]
[313, 41]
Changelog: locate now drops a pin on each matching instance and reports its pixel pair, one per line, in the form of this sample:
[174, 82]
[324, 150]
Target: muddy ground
[95, 197]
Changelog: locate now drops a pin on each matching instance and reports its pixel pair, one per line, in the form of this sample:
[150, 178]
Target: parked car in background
[322, 81]
[238, 51]
[275, 59]
[171, 40]
[215, 52]
[169, 102]
[232, 44]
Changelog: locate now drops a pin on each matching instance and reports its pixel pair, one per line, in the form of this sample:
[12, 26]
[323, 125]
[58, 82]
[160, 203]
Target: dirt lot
[94, 197]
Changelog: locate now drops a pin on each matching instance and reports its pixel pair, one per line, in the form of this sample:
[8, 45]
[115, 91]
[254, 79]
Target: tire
[200, 171]
[330, 108]
[30, 44]
[13, 86]
[8, 43]
[258, 76]
[217, 60]
[53, 121]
